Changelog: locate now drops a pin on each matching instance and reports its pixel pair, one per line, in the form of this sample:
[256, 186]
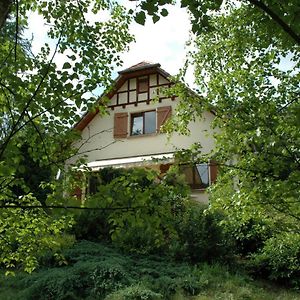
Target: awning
[132, 161]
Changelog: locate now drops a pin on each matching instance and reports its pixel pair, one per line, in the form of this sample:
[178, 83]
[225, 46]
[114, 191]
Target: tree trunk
[4, 10]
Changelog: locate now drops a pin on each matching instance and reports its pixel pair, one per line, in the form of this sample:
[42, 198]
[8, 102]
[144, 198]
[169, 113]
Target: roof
[140, 66]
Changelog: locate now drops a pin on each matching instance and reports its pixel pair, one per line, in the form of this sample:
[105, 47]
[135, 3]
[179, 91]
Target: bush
[159, 217]
[151, 206]
[96, 271]
[279, 258]
[250, 235]
[91, 225]
[200, 237]
[86, 278]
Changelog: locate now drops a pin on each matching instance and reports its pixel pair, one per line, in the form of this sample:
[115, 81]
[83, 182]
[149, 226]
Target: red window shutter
[120, 125]
[163, 113]
[213, 171]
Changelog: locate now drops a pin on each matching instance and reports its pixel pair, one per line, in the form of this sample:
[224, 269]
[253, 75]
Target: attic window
[142, 84]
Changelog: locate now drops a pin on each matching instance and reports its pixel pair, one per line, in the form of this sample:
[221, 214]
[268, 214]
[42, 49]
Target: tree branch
[288, 29]
[15, 128]
[125, 208]
[17, 28]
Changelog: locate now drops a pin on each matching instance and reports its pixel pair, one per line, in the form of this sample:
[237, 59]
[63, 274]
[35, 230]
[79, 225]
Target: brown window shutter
[213, 171]
[120, 125]
[163, 113]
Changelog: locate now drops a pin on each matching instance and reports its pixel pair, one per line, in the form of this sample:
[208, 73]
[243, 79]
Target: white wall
[98, 142]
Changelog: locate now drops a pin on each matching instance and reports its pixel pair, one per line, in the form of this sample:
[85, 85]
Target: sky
[163, 42]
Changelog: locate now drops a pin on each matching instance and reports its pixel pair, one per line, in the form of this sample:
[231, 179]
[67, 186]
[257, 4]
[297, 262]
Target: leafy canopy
[39, 102]
[247, 71]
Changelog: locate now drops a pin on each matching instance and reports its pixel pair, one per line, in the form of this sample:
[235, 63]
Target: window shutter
[213, 171]
[120, 125]
[163, 113]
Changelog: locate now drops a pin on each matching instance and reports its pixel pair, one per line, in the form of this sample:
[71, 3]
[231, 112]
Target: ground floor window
[197, 176]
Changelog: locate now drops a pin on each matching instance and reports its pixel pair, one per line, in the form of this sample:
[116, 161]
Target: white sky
[162, 42]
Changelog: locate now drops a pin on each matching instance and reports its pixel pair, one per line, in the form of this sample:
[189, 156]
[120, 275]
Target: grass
[96, 271]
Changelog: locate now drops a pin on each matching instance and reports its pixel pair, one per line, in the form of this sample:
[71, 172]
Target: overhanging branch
[286, 27]
[122, 208]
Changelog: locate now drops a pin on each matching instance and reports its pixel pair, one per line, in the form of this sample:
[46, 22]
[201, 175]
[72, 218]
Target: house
[129, 135]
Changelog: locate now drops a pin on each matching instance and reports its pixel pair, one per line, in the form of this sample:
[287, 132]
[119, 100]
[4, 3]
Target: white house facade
[129, 135]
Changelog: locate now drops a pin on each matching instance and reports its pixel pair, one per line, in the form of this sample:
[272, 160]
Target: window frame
[142, 114]
[194, 185]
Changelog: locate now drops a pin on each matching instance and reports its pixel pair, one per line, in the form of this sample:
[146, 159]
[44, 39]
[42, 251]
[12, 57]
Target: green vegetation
[159, 217]
[246, 59]
[40, 96]
[254, 214]
[97, 271]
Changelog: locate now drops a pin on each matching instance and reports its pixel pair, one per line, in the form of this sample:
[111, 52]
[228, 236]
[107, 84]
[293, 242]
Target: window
[140, 123]
[197, 176]
[143, 84]
[143, 123]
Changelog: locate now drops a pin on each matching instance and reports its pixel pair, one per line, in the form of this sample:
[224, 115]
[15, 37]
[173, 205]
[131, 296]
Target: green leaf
[155, 18]
[66, 65]
[140, 18]
[164, 12]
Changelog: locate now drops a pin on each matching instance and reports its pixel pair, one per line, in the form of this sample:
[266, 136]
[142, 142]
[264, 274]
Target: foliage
[32, 233]
[40, 97]
[156, 217]
[150, 208]
[247, 74]
[33, 175]
[280, 258]
[135, 292]
[133, 277]
[201, 238]
[279, 17]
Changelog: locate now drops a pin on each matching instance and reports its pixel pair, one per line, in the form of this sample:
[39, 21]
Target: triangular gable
[134, 85]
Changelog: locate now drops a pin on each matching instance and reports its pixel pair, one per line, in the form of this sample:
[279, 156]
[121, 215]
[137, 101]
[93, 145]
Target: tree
[39, 102]
[246, 64]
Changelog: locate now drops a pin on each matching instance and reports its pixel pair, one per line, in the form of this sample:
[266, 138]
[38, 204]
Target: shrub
[135, 292]
[91, 225]
[159, 217]
[54, 256]
[280, 258]
[151, 206]
[92, 278]
[107, 278]
[91, 265]
[200, 237]
[250, 235]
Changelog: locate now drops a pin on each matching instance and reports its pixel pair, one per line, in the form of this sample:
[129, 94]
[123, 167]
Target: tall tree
[39, 102]
[247, 67]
